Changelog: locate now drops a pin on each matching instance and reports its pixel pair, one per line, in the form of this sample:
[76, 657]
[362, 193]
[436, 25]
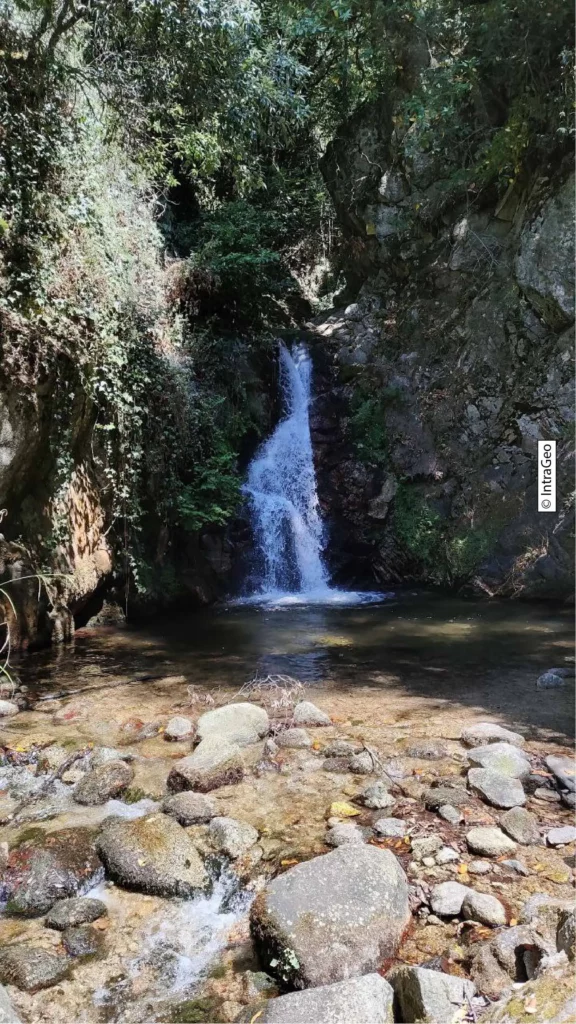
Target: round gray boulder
[104, 783]
[189, 808]
[241, 724]
[154, 855]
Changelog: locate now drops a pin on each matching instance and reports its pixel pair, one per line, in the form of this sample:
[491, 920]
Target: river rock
[544, 913]
[306, 713]
[214, 763]
[343, 833]
[366, 1000]
[479, 867]
[341, 748]
[294, 738]
[561, 836]
[427, 846]
[336, 764]
[377, 797]
[547, 794]
[179, 728]
[488, 732]
[489, 841]
[482, 907]
[503, 758]
[232, 837]
[50, 868]
[521, 825]
[430, 995]
[104, 783]
[82, 940]
[239, 724]
[154, 855]
[362, 763]
[102, 755]
[75, 911]
[516, 866]
[426, 750]
[446, 899]
[31, 968]
[550, 681]
[8, 1014]
[564, 768]
[333, 917]
[450, 814]
[498, 790]
[446, 855]
[390, 828]
[8, 708]
[439, 796]
[189, 808]
[568, 798]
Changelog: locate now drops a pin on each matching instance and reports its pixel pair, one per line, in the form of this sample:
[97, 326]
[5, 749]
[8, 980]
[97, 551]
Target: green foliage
[467, 550]
[214, 494]
[419, 527]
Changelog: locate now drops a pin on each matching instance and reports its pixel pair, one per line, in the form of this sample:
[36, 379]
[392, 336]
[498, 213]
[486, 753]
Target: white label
[546, 476]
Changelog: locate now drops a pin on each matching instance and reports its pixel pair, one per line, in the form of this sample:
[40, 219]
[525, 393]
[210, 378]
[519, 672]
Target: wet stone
[550, 680]
[104, 783]
[521, 825]
[82, 941]
[232, 837]
[213, 763]
[426, 750]
[154, 855]
[179, 728]
[31, 968]
[498, 790]
[72, 912]
[102, 755]
[189, 808]
[41, 871]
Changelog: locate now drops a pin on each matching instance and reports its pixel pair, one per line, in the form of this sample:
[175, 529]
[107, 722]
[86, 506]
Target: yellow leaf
[513, 922]
[370, 228]
[342, 810]
[462, 869]
[407, 840]
[291, 860]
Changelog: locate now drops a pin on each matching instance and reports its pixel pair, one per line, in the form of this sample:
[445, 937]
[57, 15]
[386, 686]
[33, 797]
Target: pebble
[362, 763]
[377, 797]
[480, 906]
[390, 828]
[8, 708]
[561, 836]
[479, 867]
[189, 808]
[550, 680]
[447, 855]
[82, 940]
[179, 728]
[489, 841]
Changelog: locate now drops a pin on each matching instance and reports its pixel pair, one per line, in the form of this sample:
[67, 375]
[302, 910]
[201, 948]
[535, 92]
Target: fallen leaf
[291, 860]
[343, 810]
[513, 922]
[462, 869]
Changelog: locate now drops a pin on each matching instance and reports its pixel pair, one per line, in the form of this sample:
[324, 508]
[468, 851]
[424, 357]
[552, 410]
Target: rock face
[366, 1000]
[425, 995]
[214, 763]
[40, 872]
[546, 248]
[153, 855]
[334, 917]
[239, 724]
[31, 968]
[104, 783]
[498, 790]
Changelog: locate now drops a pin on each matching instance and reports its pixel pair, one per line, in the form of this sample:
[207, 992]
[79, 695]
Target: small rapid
[289, 534]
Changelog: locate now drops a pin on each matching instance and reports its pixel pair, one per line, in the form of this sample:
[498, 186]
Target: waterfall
[281, 488]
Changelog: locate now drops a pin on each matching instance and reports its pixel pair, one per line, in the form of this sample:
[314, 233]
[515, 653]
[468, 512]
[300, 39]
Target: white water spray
[281, 486]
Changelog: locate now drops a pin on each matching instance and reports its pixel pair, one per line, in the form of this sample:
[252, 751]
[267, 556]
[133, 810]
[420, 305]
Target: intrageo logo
[546, 476]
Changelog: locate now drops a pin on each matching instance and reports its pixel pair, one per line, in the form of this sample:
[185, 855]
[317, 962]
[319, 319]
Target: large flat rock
[504, 758]
[236, 723]
[366, 1000]
[334, 917]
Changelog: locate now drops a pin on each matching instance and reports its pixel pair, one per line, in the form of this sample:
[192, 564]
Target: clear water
[289, 533]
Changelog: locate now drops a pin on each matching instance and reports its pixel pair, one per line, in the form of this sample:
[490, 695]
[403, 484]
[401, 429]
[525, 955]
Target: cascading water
[281, 487]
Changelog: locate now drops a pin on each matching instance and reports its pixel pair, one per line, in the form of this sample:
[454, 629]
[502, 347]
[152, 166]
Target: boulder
[564, 768]
[550, 681]
[514, 949]
[104, 783]
[390, 828]
[366, 1000]
[446, 899]
[333, 917]
[75, 911]
[154, 855]
[239, 724]
[306, 713]
[498, 790]
[82, 940]
[561, 836]
[425, 995]
[487, 974]
[521, 825]
[489, 841]
[295, 738]
[189, 808]
[488, 732]
[179, 728]
[234, 838]
[440, 796]
[503, 758]
[49, 868]
[31, 968]
[545, 913]
[214, 763]
[482, 907]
